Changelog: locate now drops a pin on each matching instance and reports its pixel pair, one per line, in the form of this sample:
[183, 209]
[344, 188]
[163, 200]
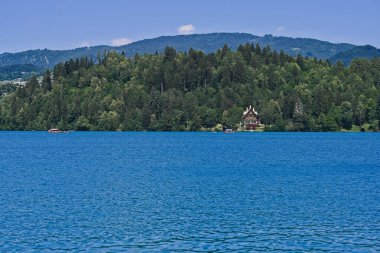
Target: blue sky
[63, 24]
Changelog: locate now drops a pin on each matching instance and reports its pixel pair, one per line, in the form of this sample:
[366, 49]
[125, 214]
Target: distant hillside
[10, 72]
[305, 47]
[205, 42]
[213, 41]
[46, 58]
[367, 52]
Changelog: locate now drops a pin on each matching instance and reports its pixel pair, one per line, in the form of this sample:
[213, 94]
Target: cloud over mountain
[186, 29]
[121, 42]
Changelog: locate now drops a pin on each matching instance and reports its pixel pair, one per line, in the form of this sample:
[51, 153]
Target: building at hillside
[250, 119]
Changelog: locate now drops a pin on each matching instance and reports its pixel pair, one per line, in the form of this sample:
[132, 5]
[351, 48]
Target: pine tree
[46, 81]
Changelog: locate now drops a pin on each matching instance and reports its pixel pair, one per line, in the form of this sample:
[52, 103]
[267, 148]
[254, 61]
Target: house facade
[250, 119]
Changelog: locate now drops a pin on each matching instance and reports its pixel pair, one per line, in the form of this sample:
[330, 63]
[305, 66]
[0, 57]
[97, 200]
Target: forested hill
[10, 72]
[204, 42]
[367, 52]
[176, 91]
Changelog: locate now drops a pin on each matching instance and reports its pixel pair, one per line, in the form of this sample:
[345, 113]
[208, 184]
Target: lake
[211, 192]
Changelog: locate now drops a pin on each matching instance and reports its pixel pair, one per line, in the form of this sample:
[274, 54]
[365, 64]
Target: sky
[65, 24]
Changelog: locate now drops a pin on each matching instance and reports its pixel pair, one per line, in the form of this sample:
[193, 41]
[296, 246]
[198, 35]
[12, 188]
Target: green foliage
[6, 88]
[347, 115]
[378, 107]
[108, 121]
[231, 117]
[302, 123]
[271, 112]
[83, 124]
[176, 91]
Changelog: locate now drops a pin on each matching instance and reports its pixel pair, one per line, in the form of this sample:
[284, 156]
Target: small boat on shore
[55, 130]
[227, 130]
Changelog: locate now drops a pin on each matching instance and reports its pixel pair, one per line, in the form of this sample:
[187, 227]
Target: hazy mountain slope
[10, 72]
[206, 42]
[367, 52]
[46, 58]
[304, 46]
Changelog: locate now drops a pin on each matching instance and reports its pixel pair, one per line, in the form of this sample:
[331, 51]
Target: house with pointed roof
[250, 119]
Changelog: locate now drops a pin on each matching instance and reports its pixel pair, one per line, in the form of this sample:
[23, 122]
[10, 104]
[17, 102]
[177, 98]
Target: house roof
[249, 109]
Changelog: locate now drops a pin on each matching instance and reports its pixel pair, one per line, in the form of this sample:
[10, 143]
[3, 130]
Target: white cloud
[186, 29]
[121, 42]
[280, 29]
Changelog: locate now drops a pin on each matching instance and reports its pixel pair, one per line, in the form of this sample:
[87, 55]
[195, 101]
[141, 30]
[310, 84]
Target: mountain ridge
[366, 51]
[208, 42]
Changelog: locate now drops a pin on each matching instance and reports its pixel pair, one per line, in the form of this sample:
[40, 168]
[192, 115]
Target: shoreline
[235, 132]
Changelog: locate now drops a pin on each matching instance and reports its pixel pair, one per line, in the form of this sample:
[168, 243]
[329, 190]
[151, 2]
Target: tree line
[188, 91]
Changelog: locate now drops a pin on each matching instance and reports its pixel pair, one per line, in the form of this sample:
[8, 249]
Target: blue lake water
[117, 192]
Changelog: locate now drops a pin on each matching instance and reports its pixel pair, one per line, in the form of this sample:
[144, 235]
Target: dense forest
[179, 91]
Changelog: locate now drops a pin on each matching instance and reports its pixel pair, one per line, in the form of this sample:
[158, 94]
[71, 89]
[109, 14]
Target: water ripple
[181, 192]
